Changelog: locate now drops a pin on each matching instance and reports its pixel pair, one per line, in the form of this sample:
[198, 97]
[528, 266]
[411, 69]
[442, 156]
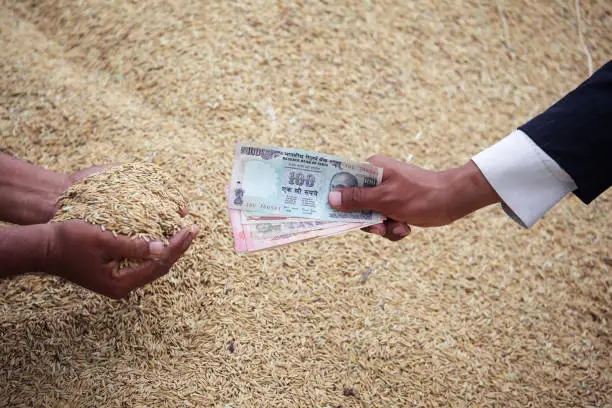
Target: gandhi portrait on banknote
[343, 180]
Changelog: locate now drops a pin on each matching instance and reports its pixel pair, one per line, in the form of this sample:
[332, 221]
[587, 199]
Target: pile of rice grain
[136, 199]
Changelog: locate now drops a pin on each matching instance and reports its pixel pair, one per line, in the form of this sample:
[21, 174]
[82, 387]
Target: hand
[90, 257]
[411, 195]
[29, 193]
[84, 173]
[104, 253]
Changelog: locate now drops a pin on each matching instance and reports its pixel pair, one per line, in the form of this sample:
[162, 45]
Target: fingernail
[194, 230]
[400, 230]
[335, 198]
[156, 248]
[378, 231]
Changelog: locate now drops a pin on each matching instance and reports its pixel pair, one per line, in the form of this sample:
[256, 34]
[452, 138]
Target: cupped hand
[84, 254]
[90, 257]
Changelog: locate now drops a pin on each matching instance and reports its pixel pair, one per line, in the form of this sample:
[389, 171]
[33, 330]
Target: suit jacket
[576, 132]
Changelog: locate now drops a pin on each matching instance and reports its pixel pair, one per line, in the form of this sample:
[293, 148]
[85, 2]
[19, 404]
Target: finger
[127, 279]
[356, 199]
[380, 160]
[396, 230]
[82, 174]
[176, 251]
[137, 249]
[378, 229]
[131, 278]
[183, 212]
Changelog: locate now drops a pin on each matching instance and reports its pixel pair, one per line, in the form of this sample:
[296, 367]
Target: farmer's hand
[77, 251]
[411, 195]
[29, 193]
[90, 257]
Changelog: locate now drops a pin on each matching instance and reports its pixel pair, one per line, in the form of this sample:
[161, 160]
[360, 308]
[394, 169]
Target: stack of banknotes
[278, 196]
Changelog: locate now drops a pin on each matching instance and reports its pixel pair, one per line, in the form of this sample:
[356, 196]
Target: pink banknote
[255, 218]
[246, 239]
[273, 231]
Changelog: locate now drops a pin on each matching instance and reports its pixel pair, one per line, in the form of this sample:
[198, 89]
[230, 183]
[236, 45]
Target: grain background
[479, 313]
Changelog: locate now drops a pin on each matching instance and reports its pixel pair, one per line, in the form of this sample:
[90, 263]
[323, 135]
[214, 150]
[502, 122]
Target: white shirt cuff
[528, 180]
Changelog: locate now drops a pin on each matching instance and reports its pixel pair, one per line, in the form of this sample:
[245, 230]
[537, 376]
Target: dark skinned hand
[411, 195]
[86, 255]
[90, 257]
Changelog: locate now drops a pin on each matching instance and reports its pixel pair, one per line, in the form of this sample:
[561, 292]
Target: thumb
[135, 249]
[90, 171]
[355, 199]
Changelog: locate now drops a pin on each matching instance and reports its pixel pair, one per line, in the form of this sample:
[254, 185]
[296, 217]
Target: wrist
[40, 238]
[56, 185]
[41, 200]
[49, 255]
[468, 190]
[26, 249]
[28, 193]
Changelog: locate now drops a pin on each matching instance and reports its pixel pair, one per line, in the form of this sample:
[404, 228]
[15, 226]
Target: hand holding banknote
[278, 196]
[409, 195]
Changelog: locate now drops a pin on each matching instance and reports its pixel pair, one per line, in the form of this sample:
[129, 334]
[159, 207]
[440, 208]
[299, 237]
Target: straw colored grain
[480, 313]
[136, 200]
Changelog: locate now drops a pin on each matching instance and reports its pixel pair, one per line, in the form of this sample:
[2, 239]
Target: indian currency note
[263, 230]
[295, 183]
[249, 217]
[248, 239]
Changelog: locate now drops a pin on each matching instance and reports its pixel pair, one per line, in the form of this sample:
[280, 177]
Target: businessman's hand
[409, 195]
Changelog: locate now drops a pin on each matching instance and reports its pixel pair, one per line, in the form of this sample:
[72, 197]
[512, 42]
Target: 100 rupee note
[295, 183]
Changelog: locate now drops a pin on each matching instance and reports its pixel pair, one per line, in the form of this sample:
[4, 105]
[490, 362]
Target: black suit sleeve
[576, 132]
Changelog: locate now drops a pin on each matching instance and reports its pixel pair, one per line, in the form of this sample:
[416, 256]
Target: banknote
[295, 183]
[248, 239]
[262, 230]
[268, 234]
[249, 217]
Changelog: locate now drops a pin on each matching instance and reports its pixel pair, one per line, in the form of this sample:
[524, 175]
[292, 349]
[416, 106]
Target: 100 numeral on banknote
[296, 183]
